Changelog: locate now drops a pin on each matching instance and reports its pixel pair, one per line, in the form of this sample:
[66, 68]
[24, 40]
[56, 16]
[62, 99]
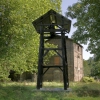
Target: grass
[25, 91]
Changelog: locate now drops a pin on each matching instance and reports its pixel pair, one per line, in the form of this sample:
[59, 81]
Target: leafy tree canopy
[19, 41]
[86, 13]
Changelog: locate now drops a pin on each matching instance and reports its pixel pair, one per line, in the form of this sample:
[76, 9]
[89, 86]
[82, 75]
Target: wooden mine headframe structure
[48, 26]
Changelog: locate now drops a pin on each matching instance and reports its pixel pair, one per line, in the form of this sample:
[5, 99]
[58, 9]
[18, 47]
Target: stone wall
[78, 62]
[74, 58]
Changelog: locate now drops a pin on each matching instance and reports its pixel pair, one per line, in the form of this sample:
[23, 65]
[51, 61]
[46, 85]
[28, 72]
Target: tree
[95, 67]
[19, 41]
[86, 13]
[87, 67]
[91, 67]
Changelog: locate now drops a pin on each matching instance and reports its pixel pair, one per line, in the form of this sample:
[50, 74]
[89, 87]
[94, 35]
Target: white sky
[65, 4]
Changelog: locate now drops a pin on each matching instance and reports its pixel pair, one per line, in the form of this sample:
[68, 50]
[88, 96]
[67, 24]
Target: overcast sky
[65, 4]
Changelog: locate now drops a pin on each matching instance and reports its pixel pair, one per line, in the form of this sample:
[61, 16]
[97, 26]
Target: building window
[56, 60]
[78, 56]
[78, 48]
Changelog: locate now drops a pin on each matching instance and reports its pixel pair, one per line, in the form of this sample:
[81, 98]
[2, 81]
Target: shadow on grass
[15, 92]
[19, 92]
[25, 92]
[86, 91]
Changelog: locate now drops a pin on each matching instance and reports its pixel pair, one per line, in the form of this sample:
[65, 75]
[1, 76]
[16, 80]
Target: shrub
[88, 79]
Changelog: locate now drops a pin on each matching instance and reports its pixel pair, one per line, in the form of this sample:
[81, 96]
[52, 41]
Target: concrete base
[55, 89]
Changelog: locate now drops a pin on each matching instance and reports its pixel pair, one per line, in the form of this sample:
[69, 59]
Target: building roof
[75, 42]
[52, 17]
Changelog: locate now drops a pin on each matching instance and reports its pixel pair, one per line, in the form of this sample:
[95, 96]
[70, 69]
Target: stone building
[74, 59]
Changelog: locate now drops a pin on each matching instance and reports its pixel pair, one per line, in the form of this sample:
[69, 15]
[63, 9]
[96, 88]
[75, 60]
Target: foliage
[95, 71]
[87, 67]
[86, 13]
[92, 67]
[50, 53]
[88, 79]
[19, 41]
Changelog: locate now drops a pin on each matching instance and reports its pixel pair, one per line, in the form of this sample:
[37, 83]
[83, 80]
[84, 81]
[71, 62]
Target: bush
[88, 79]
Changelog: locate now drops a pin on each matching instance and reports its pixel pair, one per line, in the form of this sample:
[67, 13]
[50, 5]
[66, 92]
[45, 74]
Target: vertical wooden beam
[40, 61]
[64, 60]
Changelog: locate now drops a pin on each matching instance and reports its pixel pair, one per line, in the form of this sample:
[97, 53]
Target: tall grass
[27, 91]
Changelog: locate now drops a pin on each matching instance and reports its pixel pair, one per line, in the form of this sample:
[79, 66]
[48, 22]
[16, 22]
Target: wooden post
[63, 61]
[40, 61]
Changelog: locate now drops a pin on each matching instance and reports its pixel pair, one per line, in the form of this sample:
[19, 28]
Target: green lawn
[27, 91]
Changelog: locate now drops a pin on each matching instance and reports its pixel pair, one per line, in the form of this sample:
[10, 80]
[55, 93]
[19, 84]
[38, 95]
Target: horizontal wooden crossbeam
[53, 66]
[52, 48]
